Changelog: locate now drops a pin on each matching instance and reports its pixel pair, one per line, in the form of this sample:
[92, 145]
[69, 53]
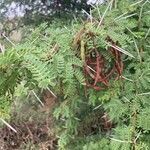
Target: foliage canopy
[116, 117]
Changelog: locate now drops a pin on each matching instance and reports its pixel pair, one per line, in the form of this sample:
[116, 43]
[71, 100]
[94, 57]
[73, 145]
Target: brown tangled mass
[97, 70]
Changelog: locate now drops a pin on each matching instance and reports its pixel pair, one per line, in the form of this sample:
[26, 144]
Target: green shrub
[54, 58]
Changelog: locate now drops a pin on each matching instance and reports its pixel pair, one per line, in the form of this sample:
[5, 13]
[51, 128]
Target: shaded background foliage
[36, 11]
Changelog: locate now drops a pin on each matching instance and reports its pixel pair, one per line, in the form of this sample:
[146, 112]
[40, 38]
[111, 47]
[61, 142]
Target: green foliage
[5, 104]
[49, 58]
[36, 12]
[102, 144]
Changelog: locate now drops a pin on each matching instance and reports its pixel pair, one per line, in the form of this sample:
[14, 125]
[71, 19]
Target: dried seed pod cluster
[98, 69]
